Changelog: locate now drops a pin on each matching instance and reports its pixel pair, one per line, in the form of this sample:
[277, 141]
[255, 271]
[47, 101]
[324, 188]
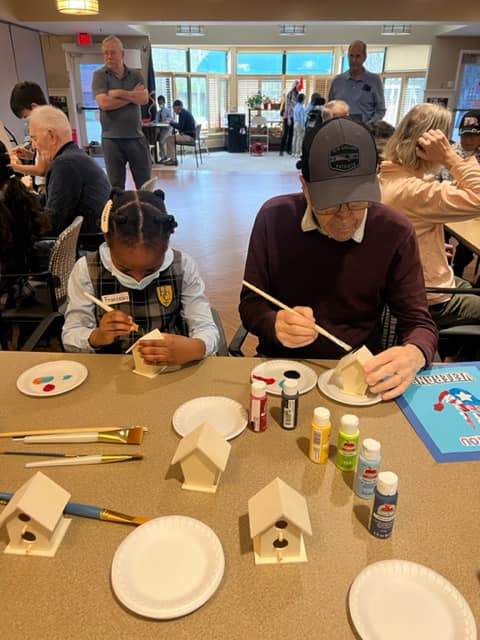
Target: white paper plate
[275, 372]
[52, 378]
[397, 599]
[335, 393]
[227, 416]
[167, 567]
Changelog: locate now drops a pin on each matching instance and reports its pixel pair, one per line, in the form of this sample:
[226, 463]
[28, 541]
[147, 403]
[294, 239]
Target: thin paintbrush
[37, 453]
[106, 307]
[120, 436]
[318, 328]
[90, 511]
[76, 460]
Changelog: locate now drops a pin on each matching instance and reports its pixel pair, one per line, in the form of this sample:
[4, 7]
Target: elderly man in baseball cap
[338, 256]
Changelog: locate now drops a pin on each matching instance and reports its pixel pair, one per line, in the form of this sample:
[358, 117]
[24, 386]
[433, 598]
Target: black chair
[49, 328]
[49, 286]
[467, 334]
[222, 349]
[194, 144]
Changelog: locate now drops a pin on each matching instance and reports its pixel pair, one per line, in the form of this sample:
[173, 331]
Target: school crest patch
[165, 295]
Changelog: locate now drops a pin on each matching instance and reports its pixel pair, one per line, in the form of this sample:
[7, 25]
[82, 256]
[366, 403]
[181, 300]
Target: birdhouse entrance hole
[29, 536]
[281, 524]
[23, 517]
[280, 544]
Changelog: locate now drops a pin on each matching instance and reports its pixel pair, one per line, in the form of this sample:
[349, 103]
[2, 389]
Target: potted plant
[255, 101]
[267, 103]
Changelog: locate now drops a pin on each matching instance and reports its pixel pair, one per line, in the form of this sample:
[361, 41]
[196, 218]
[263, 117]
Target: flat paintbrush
[90, 511]
[133, 435]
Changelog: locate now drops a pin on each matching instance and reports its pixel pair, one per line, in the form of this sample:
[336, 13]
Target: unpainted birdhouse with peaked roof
[278, 518]
[349, 374]
[34, 517]
[141, 367]
[203, 456]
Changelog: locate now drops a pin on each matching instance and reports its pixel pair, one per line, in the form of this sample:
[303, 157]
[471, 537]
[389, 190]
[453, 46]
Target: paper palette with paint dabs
[443, 406]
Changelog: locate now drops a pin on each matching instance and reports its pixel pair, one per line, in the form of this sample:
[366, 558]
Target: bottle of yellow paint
[319, 435]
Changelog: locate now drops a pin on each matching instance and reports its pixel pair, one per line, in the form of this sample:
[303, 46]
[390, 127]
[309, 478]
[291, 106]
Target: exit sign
[84, 39]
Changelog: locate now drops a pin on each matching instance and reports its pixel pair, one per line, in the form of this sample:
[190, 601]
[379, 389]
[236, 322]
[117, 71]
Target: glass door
[83, 67]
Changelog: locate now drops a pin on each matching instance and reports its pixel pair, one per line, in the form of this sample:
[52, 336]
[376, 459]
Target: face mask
[131, 283]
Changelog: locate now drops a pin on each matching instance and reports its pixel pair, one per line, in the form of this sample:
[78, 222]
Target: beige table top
[70, 596]
[467, 232]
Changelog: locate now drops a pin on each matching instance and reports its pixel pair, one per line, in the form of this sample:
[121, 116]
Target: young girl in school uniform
[149, 284]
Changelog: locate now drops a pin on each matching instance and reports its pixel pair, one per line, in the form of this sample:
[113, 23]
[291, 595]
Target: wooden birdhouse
[141, 367]
[278, 519]
[349, 374]
[203, 456]
[34, 517]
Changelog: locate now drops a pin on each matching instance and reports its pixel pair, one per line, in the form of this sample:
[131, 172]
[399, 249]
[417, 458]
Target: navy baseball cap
[470, 123]
[339, 164]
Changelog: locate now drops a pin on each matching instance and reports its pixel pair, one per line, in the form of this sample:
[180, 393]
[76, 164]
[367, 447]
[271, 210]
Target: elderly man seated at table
[337, 256]
[418, 147]
[75, 184]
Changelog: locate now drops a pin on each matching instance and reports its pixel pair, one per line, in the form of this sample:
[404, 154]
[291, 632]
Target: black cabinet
[237, 133]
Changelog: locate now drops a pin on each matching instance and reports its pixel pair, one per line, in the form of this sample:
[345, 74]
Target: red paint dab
[49, 387]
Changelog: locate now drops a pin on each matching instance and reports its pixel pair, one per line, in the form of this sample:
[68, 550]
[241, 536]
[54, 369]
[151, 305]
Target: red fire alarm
[84, 39]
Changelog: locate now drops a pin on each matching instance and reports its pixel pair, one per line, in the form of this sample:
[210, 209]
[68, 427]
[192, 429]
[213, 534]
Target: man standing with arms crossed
[119, 92]
[360, 89]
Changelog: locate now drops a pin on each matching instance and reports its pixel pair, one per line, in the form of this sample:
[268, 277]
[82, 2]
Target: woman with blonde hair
[419, 146]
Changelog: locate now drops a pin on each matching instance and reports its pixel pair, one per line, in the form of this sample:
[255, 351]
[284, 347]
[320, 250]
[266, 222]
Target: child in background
[24, 98]
[147, 282]
[299, 117]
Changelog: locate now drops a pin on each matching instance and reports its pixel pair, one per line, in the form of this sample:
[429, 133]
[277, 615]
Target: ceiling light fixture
[292, 30]
[78, 7]
[190, 30]
[397, 30]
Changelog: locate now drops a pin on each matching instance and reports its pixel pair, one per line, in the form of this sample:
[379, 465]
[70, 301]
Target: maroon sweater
[346, 284]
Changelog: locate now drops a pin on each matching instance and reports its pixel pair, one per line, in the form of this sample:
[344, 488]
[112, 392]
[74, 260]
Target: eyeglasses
[351, 206]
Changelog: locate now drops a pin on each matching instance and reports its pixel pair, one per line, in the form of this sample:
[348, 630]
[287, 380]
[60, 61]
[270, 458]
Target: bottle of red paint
[258, 406]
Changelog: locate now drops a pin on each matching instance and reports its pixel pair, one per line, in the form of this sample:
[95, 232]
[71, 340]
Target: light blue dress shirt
[365, 96]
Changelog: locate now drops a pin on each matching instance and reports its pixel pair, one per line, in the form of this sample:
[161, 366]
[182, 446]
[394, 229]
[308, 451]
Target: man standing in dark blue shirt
[186, 131]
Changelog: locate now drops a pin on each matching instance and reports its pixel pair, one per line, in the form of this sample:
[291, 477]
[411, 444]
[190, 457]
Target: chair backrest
[198, 128]
[151, 184]
[62, 258]
[222, 349]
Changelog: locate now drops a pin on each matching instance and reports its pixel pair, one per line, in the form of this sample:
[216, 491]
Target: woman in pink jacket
[418, 146]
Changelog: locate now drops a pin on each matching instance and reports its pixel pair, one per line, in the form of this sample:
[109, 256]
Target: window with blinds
[163, 87]
[402, 92]
[213, 104]
[247, 87]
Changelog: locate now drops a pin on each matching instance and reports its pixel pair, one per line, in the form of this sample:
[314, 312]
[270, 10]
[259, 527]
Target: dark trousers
[118, 151]
[286, 143]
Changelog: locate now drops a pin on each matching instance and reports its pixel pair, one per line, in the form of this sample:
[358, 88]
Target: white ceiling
[248, 32]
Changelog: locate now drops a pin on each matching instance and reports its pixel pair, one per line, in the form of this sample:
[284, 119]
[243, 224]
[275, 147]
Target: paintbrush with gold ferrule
[76, 460]
[124, 435]
[90, 511]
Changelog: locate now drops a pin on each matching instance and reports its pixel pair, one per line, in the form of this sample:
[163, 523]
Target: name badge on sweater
[116, 298]
[165, 295]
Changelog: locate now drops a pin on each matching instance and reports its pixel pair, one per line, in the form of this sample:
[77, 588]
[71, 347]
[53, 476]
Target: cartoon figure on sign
[464, 402]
